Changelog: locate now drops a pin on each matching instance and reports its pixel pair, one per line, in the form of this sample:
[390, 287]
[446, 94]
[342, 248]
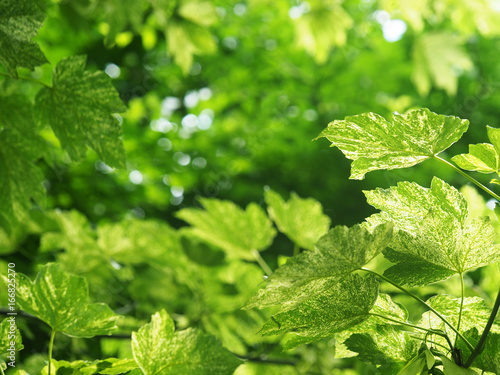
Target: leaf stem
[470, 178]
[31, 79]
[461, 306]
[51, 345]
[262, 263]
[436, 332]
[480, 344]
[423, 303]
[1, 369]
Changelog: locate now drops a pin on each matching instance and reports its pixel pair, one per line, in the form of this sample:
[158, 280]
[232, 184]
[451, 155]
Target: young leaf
[60, 299]
[484, 157]
[302, 220]
[374, 143]
[19, 23]
[159, 350]
[341, 251]
[334, 307]
[79, 108]
[227, 226]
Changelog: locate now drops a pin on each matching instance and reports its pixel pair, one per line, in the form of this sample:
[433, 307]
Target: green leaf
[484, 157]
[111, 366]
[79, 108]
[60, 299]
[436, 238]
[474, 314]
[223, 224]
[302, 220]
[186, 39]
[9, 333]
[160, 351]
[20, 147]
[19, 23]
[435, 56]
[335, 306]
[374, 143]
[481, 158]
[451, 368]
[322, 29]
[118, 14]
[388, 348]
[338, 253]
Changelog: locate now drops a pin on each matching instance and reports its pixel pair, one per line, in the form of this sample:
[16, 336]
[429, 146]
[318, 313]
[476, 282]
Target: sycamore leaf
[374, 143]
[388, 348]
[79, 108]
[443, 247]
[19, 23]
[474, 314]
[408, 206]
[341, 251]
[435, 55]
[9, 333]
[20, 147]
[223, 224]
[60, 299]
[484, 157]
[302, 220]
[201, 12]
[436, 238]
[338, 305]
[159, 350]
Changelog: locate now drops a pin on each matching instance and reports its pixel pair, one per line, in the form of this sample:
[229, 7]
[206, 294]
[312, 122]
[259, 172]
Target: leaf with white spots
[61, 300]
[159, 350]
[436, 237]
[374, 143]
[19, 24]
[484, 157]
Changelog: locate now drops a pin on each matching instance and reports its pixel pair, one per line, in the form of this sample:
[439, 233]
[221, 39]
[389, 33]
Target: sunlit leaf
[111, 366]
[484, 157]
[436, 239]
[338, 305]
[338, 253]
[302, 220]
[435, 55]
[489, 359]
[61, 300]
[79, 108]
[19, 23]
[227, 226]
[374, 143]
[159, 350]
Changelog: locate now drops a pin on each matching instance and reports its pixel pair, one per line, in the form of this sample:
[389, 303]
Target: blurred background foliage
[223, 100]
